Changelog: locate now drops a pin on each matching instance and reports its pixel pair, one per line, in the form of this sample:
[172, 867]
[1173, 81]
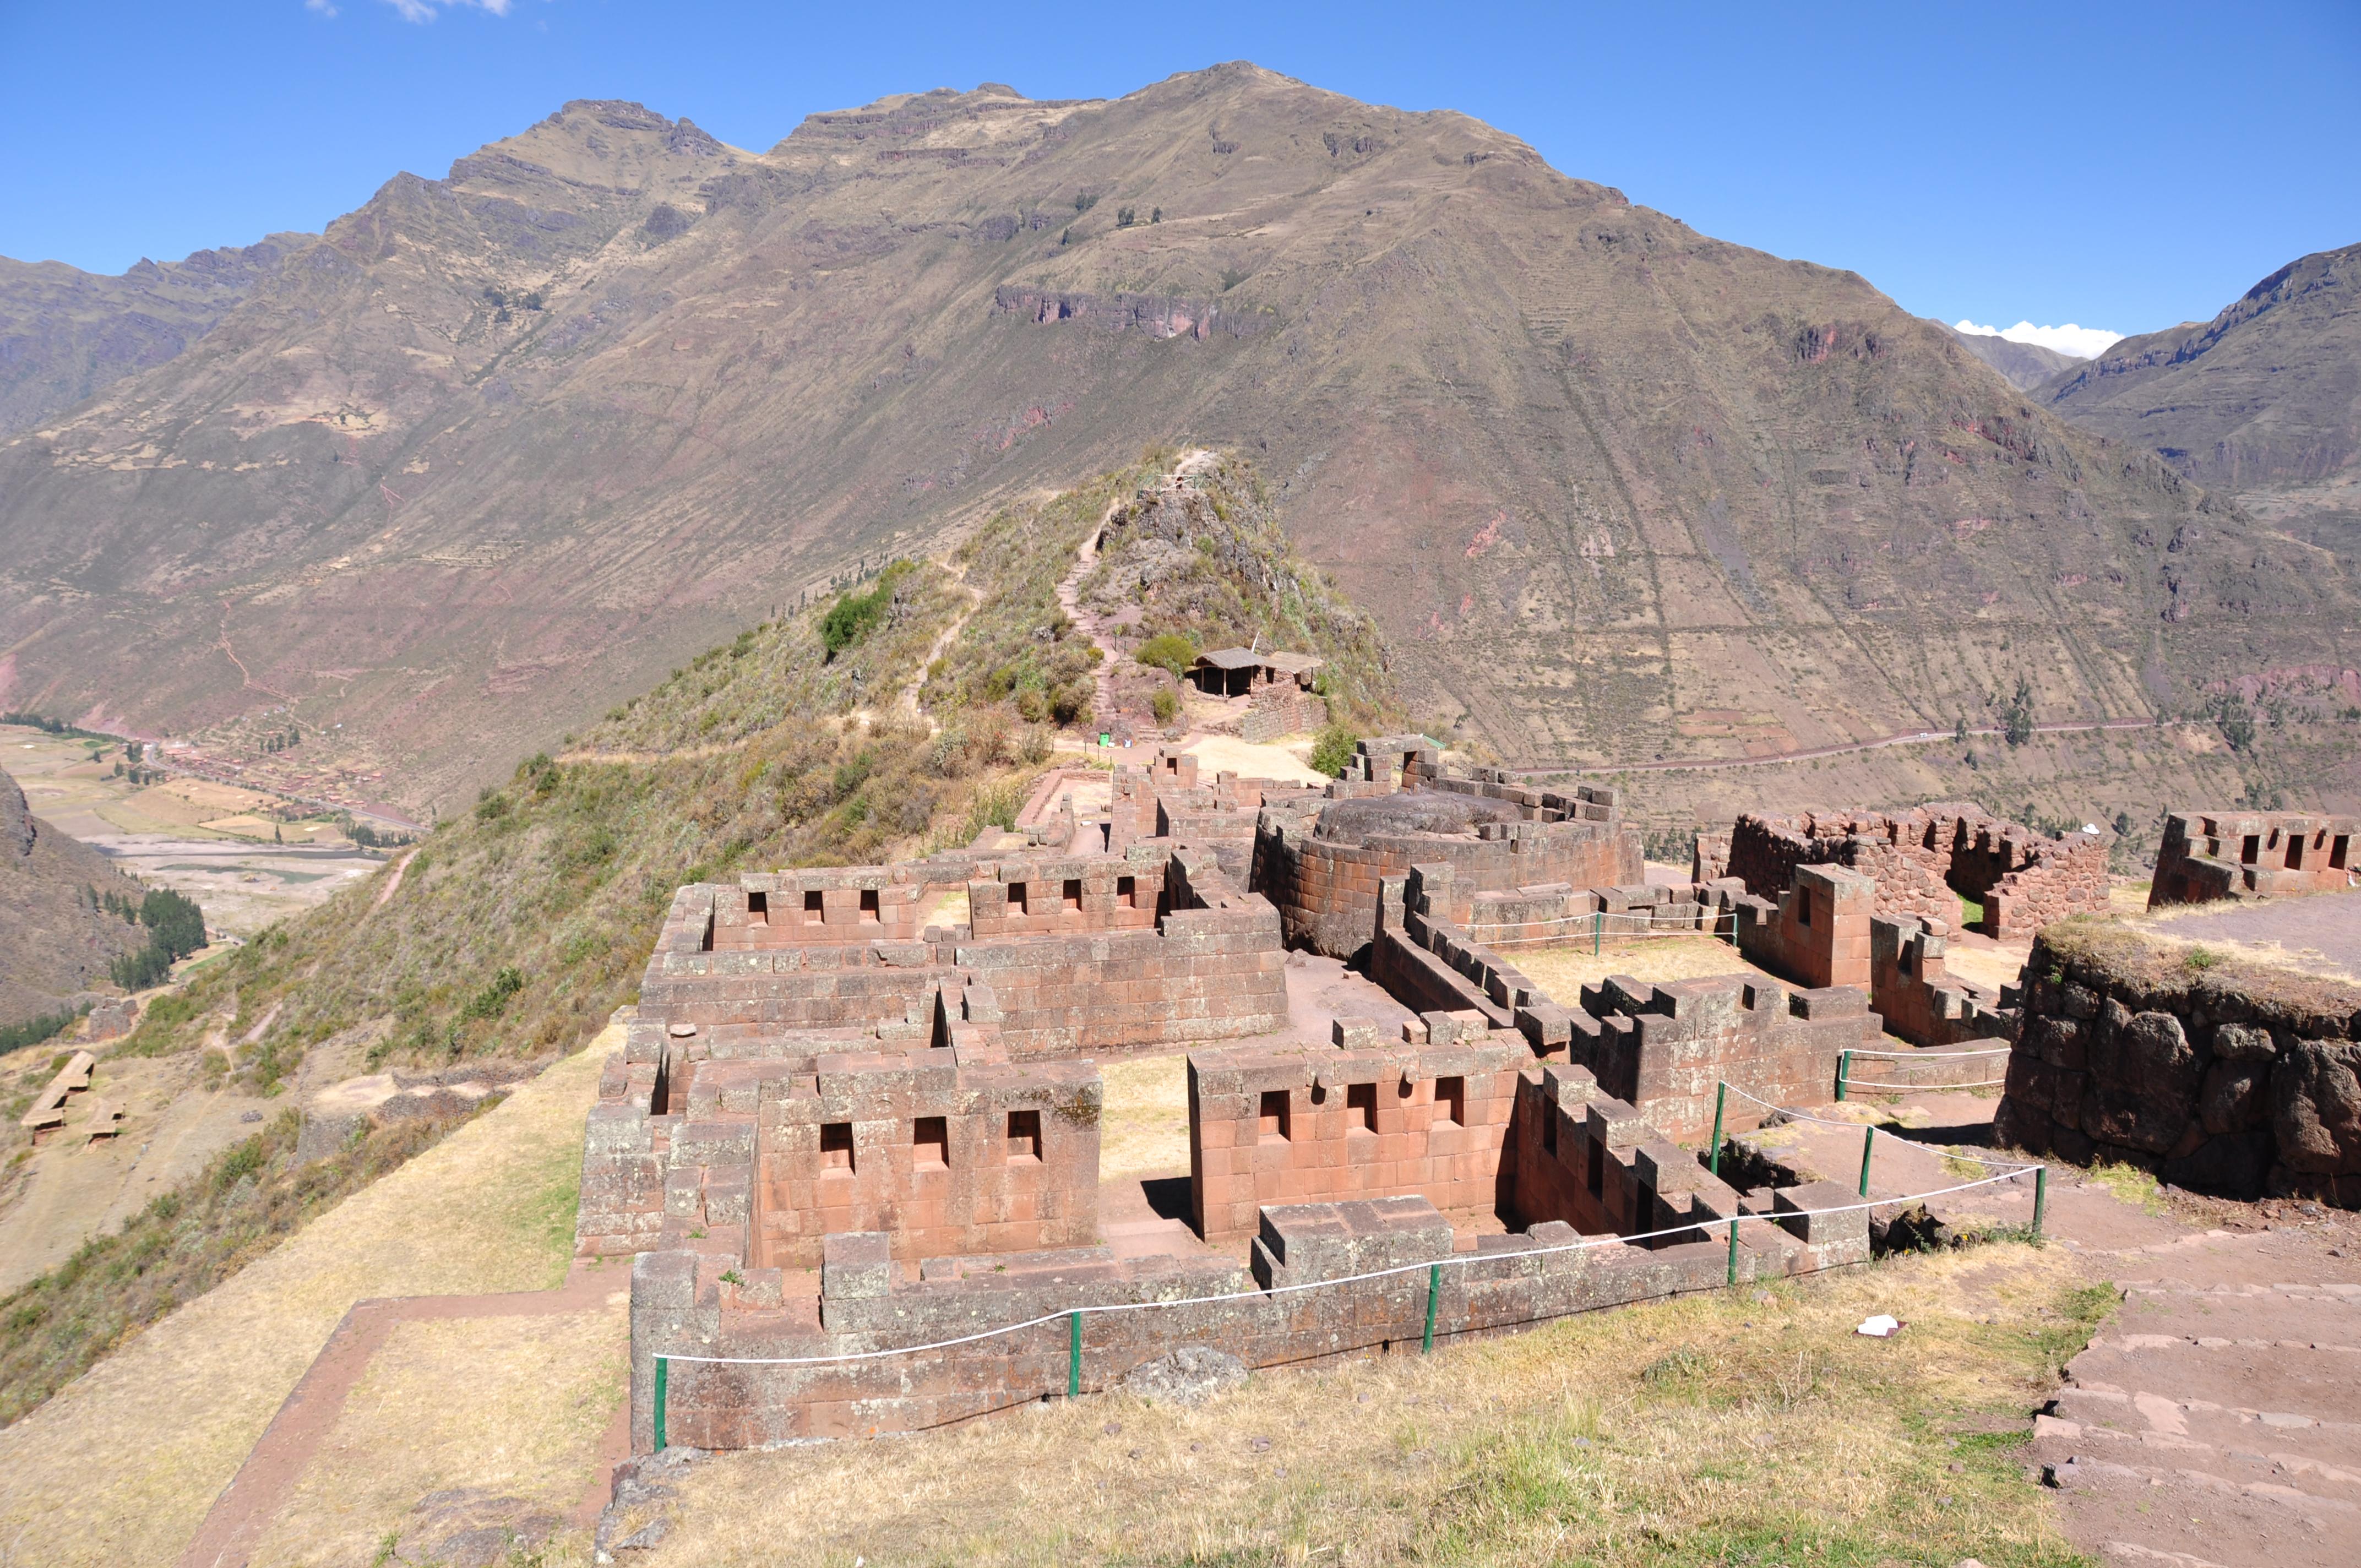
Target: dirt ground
[2319, 934]
[1562, 969]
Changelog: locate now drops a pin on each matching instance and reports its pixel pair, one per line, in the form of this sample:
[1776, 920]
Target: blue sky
[2122, 166]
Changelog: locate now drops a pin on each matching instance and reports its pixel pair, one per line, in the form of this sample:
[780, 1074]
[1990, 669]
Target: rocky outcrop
[2221, 1078]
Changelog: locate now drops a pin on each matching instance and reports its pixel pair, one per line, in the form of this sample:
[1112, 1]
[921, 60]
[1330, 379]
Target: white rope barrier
[1456, 1260]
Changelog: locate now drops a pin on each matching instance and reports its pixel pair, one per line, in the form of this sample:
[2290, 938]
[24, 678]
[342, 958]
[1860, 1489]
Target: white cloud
[424, 10]
[322, 7]
[2081, 342]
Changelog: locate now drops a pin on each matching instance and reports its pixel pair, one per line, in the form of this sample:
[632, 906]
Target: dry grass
[1730, 1427]
[1563, 969]
[509, 1407]
[1145, 1123]
[121, 1465]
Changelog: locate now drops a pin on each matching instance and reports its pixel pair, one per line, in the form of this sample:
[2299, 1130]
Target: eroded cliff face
[505, 445]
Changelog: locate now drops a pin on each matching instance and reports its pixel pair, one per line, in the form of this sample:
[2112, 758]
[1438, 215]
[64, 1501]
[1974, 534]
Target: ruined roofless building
[2211, 855]
[860, 1108]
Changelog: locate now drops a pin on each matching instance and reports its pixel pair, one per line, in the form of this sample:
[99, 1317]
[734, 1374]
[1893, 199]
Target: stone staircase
[2216, 1424]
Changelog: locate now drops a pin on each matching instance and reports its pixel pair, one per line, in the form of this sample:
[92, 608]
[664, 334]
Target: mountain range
[2262, 402]
[2022, 365]
[500, 448]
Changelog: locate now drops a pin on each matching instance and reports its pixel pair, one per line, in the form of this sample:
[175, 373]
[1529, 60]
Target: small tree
[2017, 718]
[1332, 752]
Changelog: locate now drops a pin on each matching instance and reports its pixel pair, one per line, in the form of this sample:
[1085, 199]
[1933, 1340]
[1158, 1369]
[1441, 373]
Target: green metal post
[1433, 1289]
[1073, 1356]
[660, 1404]
[1844, 1070]
[1720, 1093]
[1597, 925]
[1733, 1249]
[2040, 1197]
[1868, 1142]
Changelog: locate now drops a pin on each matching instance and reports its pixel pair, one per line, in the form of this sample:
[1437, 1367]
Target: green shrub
[1169, 651]
[854, 615]
[1333, 750]
[1164, 705]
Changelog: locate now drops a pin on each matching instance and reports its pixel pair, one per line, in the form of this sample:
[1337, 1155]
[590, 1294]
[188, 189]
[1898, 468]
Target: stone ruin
[860, 1108]
[1924, 863]
[2232, 1080]
[2210, 855]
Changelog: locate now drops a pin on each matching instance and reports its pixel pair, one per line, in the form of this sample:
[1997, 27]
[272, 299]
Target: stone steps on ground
[2229, 1407]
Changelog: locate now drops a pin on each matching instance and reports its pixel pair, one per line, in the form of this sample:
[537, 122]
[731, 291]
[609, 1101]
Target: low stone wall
[2231, 1078]
[682, 1305]
[2206, 856]
[1665, 1048]
[1274, 711]
[1917, 995]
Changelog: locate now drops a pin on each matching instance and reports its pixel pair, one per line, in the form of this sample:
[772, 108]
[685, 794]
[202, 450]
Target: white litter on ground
[1879, 1327]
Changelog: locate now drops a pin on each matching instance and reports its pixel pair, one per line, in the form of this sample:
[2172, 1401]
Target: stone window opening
[1016, 897]
[2295, 852]
[1549, 1130]
[1360, 1107]
[869, 905]
[1451, 1101]
[1025, 1136]
[2251, 851]
[1803, 906]
[758, 909]
[930, 1145]
[836, 1147]
[1127, 891]
[813, 913]
[1275, 1109]
[2336, 851]
[1072, 896]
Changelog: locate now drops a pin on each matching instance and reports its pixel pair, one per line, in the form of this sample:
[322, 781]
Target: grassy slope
[121, 1466]
[1736, 1427]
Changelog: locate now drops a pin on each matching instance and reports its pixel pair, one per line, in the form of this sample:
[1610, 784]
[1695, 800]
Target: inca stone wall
[2206, 856]
[2229, 1079]
[1926, 861]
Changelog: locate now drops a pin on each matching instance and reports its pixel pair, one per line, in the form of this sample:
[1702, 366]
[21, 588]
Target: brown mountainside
[66, 334]
[2022, 365]
[505, 445]
[59, 940]
[2263, 401]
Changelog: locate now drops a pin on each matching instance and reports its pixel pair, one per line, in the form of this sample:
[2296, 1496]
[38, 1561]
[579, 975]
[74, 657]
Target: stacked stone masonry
[859, 1108]
[2208, 856]
[2237, 1084]
[1925, 861]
